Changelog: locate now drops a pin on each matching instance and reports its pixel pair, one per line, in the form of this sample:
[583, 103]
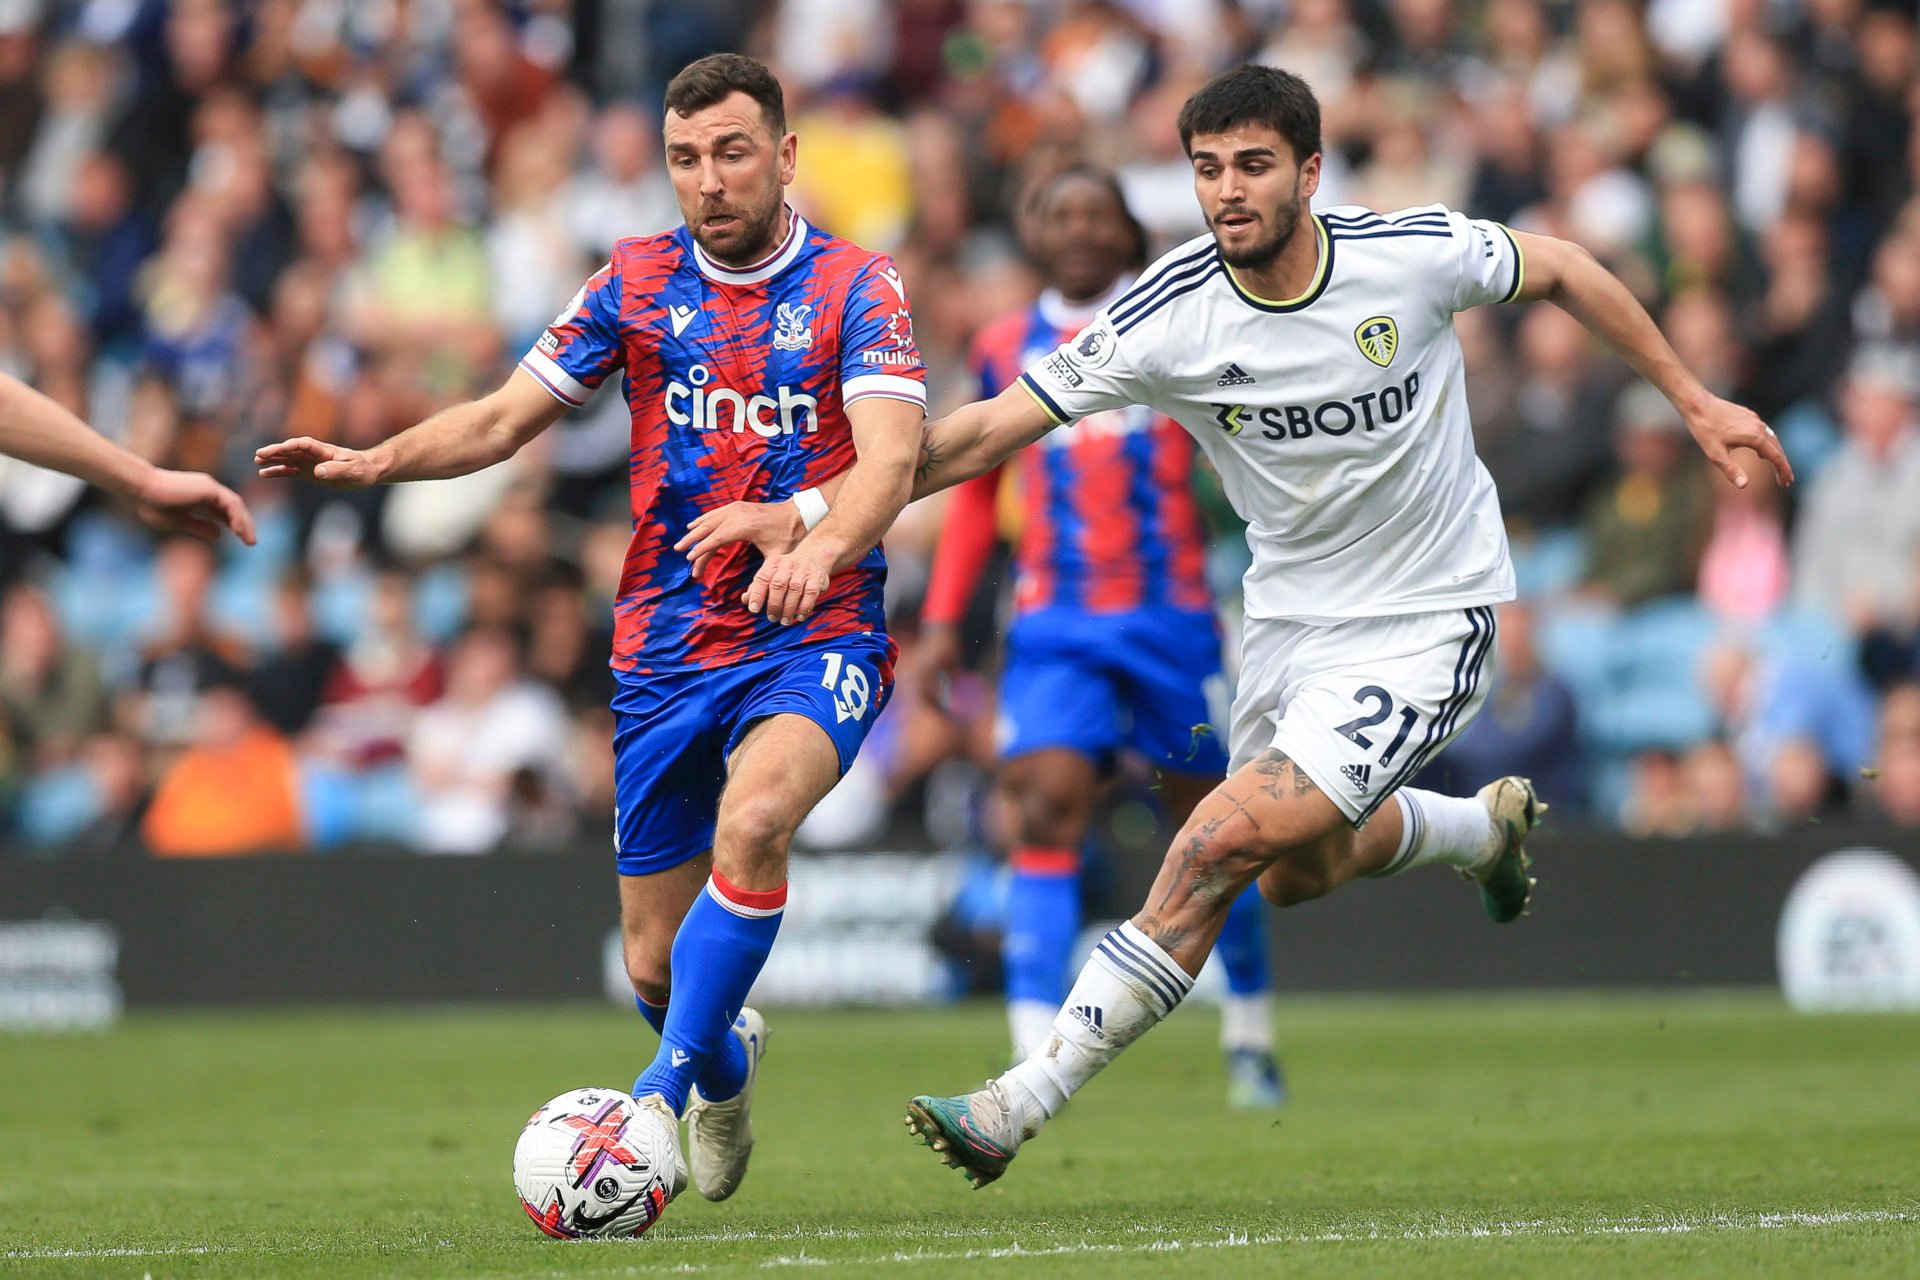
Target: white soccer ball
[594, 1163]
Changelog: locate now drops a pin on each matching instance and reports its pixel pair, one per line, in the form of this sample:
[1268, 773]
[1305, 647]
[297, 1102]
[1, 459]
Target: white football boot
[720, 1134]
[656, 1104]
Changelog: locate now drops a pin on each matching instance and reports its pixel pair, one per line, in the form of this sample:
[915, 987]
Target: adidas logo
[1235, 376]
[1091, 1017]
[1357, 774]
[680, 1057]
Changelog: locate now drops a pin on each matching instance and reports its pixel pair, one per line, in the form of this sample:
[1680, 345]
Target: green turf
[1641, 1136]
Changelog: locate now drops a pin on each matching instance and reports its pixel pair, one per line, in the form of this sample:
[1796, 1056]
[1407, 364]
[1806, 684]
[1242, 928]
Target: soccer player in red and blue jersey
[759, 356]
[1114, 643]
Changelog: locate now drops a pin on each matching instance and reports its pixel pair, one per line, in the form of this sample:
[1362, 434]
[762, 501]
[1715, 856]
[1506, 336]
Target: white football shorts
[1360, 706]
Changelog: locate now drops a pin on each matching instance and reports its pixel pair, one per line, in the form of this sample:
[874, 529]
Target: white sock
[1445, 829]
[1030, 1022]
[1128, 985]
[1246, 1022]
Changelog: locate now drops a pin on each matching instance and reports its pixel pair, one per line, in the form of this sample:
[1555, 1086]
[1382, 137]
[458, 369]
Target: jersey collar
[765, 269]
[1314, 290]
[1062, 314]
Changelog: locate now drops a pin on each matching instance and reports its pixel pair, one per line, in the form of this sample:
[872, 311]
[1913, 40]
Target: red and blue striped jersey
[738, 382]
[1111, 522]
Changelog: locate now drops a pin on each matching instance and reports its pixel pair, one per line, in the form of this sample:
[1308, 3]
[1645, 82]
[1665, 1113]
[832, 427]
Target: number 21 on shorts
[1380, 707]
[854, 692]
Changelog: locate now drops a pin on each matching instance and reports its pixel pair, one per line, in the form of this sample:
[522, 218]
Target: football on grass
[592, 1163]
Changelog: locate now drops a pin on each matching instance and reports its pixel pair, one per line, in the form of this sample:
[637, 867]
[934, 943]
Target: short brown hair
[703, 83]
[1264, 96]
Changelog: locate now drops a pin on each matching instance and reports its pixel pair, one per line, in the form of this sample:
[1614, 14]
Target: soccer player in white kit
[1312, 355]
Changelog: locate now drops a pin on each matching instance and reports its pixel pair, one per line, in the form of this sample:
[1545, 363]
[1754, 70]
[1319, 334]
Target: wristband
[813, 507]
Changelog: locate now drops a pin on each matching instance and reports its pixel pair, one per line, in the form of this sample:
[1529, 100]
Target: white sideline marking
[1677, 1224]
[1360, 1233]
[165, 1251]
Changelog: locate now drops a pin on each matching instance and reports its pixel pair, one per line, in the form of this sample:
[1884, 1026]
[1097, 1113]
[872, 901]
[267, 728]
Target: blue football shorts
[674, 732]
[1148, 680]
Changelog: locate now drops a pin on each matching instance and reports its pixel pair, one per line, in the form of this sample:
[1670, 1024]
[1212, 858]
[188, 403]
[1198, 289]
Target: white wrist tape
[813, 506]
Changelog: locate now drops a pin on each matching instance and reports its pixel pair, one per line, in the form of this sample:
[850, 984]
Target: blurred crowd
[229, 223]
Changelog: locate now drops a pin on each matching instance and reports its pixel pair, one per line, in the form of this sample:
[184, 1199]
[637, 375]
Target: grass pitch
[1640, 1136]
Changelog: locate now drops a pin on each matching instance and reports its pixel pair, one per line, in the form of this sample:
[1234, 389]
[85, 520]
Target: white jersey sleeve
[1087, 374]
[1483, 262]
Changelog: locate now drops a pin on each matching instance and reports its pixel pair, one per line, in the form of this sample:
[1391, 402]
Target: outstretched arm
[458, 440]
[975, 438]
[886, 439]
[1567, 275]
[37, 429]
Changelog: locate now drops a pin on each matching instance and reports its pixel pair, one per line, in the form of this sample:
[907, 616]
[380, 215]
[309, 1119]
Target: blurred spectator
[1744, 569]
[106, 237]
[198, 330]
[1800, 785]
[1801, 334]
[1800, 726]
[288, 684]
[566, 651]
[466, 750]
[855, 181]
[1646, 530]
[1717, 788]
[188, 652]
[1658, 801]
[533, 255]
[1548, 452]
[234, 790]
[384, 678]
[1894, 781]
[422, 297]
[626, 192]
[52, 693]
[1858, 540]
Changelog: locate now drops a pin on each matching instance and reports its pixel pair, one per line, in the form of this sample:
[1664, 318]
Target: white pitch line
[1359, 1233]
[165, 1251]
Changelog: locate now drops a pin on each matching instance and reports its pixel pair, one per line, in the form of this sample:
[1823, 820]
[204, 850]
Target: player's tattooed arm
[976, 438]
[1567, 275]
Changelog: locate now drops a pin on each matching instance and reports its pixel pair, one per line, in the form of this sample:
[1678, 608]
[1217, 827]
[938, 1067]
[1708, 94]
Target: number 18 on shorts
[675, 730]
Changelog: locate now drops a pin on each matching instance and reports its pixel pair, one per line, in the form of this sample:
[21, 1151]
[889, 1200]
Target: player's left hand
[773, 527]
[1722, 426]
[192, 503]
[789, 585]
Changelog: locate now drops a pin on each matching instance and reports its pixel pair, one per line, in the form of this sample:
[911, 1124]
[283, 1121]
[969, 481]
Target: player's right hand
[937, 656]
[774, 527]
[192, 503]
[789, 585]
[318, 461]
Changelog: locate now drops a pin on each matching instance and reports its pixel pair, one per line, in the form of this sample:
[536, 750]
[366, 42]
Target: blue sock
[1243, 945]
[1043, 919]
[718, 952]
[726, 1071]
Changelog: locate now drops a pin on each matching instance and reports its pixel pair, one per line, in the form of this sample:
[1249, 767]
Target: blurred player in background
[760, 355]
[1114, 642]
[35, 429]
